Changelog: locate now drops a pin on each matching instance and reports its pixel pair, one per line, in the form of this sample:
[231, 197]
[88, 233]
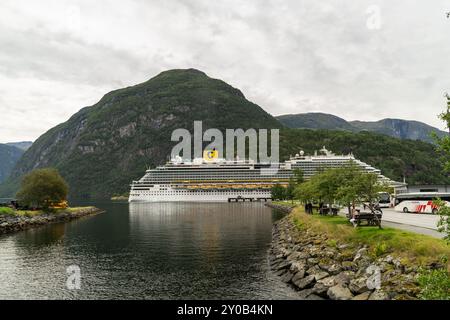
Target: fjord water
[147, 251]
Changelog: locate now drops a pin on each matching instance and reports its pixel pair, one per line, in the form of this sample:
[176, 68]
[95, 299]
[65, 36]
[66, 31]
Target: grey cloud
[287, 56]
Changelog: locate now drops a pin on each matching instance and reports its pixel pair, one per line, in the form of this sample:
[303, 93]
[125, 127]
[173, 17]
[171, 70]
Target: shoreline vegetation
[324, 257]
[18, 220]
[119, 198]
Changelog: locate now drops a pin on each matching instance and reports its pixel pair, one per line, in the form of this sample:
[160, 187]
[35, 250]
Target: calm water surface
[147, 251]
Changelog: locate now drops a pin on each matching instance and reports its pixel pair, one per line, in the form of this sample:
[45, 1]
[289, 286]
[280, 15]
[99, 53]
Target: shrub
[435, 284]
[380, 249]
[6, 211]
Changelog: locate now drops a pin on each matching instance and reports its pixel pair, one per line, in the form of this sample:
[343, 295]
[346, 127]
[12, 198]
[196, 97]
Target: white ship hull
[176, 195]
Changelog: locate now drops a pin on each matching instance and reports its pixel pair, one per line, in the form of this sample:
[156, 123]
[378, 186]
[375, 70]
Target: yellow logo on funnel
[210, 155]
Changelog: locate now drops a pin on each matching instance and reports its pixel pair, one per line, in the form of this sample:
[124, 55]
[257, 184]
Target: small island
[41, 200]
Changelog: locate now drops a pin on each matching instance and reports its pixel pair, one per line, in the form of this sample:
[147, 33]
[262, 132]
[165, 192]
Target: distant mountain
[315, 120]
[9, 155]
[23, 145]
[102, 148]
[402, 129]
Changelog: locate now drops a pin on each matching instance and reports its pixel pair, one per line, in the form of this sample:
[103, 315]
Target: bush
[6, 211]
[380, 249]
[435, 284]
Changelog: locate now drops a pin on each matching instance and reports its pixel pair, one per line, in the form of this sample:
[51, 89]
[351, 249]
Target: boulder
[283, 265]
[320, 289]
[287, 277]
[334, 269]
[378, 295]
[358, 285]
[297, 266]
[320, 275]
[339, 292]
[305, 282]
[298, 276]
[362, 296]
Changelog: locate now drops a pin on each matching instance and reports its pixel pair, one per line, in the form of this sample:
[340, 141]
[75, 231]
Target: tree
[42, 188]
[290, 190]
[444, 147]
[278, 192]
[298, 176]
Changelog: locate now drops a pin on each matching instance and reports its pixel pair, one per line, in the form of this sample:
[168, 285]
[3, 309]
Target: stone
[388, 259]
[334, 269]
[328, 282]
[344, 277]
[362, 296]
[297, 266]
[339, 292]
[320, 275]
[305, 282]
[303, 294]
[313, 270]
[348, 265]
[283, 265]
[280, 272]
[287, 277]
[378, 295]
[320, 289]
[312, 296]
[358, 285]
[298, 276]
[312, 261]
[359, 254]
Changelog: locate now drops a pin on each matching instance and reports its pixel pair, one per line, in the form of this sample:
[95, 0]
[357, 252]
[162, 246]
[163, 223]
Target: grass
[6, 211]
[32, 213]
[408, 246]
[288, 203]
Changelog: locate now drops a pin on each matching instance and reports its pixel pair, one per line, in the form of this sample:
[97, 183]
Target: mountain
[23, 145]
[102, 148]
[315, 120]
[402, 129]
[9, 156]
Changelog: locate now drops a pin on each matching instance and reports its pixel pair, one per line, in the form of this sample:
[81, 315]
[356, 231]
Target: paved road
[415, 219]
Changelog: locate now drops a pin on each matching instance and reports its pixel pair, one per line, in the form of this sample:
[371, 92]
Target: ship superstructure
[221, 180]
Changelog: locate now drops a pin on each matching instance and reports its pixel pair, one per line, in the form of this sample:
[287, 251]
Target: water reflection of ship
[206, 227]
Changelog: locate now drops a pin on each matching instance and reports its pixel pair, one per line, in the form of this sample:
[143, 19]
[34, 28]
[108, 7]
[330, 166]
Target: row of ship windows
[201, 191]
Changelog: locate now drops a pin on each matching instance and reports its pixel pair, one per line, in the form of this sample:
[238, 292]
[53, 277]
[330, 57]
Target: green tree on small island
[42, 188]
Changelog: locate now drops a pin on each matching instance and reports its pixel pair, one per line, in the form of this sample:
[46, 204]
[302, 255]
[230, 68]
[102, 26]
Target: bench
[372, 219]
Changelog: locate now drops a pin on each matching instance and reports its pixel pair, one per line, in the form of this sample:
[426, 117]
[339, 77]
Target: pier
[243, 199]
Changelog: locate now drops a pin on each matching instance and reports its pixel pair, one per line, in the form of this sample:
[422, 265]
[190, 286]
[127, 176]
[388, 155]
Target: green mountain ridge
[102, 148]
[397, 128]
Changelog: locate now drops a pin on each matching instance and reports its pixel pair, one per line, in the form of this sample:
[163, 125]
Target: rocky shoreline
[16, 223]
[320, 268]
[280, 207]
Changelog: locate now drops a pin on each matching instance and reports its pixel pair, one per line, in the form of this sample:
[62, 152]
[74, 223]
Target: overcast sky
[362, 60]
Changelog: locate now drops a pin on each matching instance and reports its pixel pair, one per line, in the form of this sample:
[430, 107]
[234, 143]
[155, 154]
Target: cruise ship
[220, 180]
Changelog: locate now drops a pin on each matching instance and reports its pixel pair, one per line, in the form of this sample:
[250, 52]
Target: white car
[418, 206]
